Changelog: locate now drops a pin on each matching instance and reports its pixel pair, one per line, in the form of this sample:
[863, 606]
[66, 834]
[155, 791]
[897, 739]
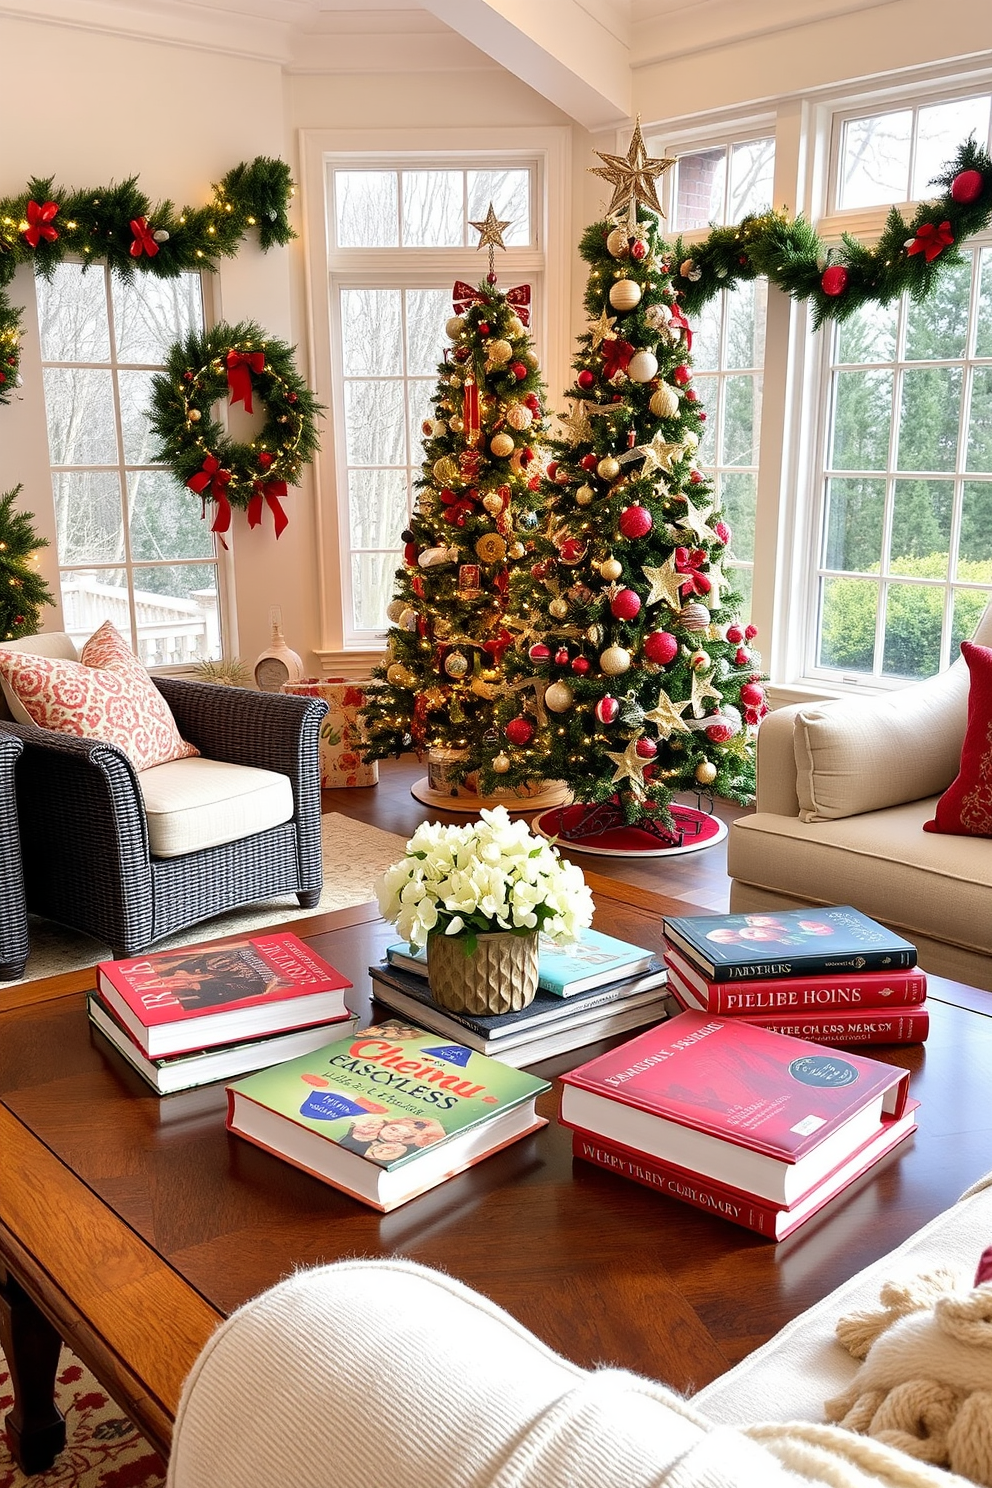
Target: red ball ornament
[462, 353]
[290, 397]
[265, 459]
[187, 377]
[682, 376]
[589, 461]
[586, 379]
[722, 531]
[695, 476]
[719, 733]
[834, 280]
[483, 328]
[561, 656]
[580, 666]
[660, 647]
[519, 731]
[571, 549]
[410, 553]
[966, 187]
[534, 484]
[519, 371]
[691, 396]
[533, 402]
[636, 521]
[539, 652]
[741, 657]
[645, 748]
[638, 250]
[701, 417]
[448, 497]
[750, 631]
[552, 469]
[607, 709]
[734, 634]
[752, 696]
[626, 605]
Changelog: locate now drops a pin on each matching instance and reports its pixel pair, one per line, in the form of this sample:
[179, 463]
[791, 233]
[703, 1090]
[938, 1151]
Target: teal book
[386, 1113]
[563, 970]
[788, 942]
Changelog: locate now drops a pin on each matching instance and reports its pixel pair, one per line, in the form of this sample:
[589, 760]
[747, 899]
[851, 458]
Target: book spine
[908, 1026]
[702, 1193]
[808, 965]
[802, 994]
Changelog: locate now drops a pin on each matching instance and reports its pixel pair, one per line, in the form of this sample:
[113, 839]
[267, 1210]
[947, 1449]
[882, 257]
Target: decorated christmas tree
[475, 515]
[22, 589]
[631, 678]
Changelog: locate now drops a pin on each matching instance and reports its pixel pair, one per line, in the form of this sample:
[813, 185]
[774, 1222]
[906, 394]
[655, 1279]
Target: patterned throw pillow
[965, 808]
[107, 694]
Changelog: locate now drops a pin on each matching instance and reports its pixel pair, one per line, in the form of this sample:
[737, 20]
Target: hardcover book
[909, 1025]
[188, 1000]
[594, 960]
[386, 1114]
[225, 1062]
[734, 1204]
[787, 943]
[548, 1026]
[800, 994]
[760, 1111]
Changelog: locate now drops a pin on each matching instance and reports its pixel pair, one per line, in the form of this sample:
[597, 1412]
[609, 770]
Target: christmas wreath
[240, 363]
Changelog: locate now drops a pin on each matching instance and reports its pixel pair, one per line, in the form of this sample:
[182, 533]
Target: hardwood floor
[700, 878]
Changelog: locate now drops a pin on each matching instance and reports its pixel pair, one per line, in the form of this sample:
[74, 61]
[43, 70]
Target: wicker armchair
[13, 914]
[85, 836]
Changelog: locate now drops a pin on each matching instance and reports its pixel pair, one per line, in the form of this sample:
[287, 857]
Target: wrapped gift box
[341, 735]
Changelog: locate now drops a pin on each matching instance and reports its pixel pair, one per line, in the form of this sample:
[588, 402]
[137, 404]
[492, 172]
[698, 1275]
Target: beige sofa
[843, 791]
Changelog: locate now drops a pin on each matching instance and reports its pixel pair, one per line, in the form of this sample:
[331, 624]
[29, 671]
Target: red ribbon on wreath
[239, 375]
[676, 318]
[616, 357]
[40, 222]
[212, 481]
[143, 240]
[930, 240]
[269, 492]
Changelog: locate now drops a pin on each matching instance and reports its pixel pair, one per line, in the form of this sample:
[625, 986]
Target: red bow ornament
[213, 481]
[143, 240]
[240, 366]
[930, 240]
[463, 297]
[616, 357]
[689, 564]
[40, 222]
[677, 319]
[269, 492]
[499, 645]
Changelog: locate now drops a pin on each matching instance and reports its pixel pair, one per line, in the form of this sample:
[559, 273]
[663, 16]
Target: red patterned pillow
[107, 694]
[965, 808]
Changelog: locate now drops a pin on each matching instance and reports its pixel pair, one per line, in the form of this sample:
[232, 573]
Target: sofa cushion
[965, 808]
[55, 644]
[106, 694]
[191, 804]
[918, 732]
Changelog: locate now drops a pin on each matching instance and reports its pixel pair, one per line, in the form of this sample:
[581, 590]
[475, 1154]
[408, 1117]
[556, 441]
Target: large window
[131, 545]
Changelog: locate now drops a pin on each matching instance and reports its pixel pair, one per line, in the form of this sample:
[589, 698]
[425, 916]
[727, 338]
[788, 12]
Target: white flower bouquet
[490, 875]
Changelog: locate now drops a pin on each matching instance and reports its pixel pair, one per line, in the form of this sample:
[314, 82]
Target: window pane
[177, 613]
[88, 516]
[140, 444]
[929, 418]
[752, 166]
[92, 596]
[72, 312]
[874, 160]
[980, 425]
[968, 607]
[738, 495]
[366, 203]
[509, 192]
[869, 335]
[433, 209]
[921, 527]
[913, 620]
[372, 331]
[150, 314]
[708, 389]
[742, 410]
[746, 324]
[165, 518]
[862, 415]
[939, 132]
[939, 327]
[855, 517]
[419, 393]
[375, 416]
[847, 625]
[706, 336]
[427, 311]
[377, 501]
[372, 577]
[975, 546]
[742, 581]
[700, 188]
[80, 407]
[983, 339]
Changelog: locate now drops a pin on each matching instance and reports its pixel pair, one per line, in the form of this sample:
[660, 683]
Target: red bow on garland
[930, 240]
[212, 481]
[676, 318]
[269, 492]
[143, 240]
[463, 297]
[39, 222]
[616, 357]
[239, 376]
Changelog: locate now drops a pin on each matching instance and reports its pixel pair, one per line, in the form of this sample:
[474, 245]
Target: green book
[387, 1113]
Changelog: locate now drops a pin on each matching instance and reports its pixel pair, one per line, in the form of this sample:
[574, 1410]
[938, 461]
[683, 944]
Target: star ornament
[695, 520]
[702, 688]
[491, 230]
[602, 329]
[660, 455]
[666, 584]
[632, 176]
[666, 716]
[629, 766]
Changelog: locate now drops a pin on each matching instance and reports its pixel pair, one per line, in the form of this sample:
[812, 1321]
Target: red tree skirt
[594, 829]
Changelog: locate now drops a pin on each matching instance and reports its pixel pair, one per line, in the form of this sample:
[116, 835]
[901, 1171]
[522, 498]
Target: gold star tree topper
[490, 232]
[632, 177]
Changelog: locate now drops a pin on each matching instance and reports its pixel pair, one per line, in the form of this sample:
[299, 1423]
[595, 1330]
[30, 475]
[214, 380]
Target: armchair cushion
[965, 808]
[191, 804]
[107, 694]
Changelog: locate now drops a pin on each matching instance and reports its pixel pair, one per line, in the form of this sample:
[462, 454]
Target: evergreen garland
[22, 589]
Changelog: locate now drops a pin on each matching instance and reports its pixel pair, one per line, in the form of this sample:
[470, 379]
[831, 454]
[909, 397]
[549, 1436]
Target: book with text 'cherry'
[763, 1112]
[909, 1025]
[217, 992]
[800, 994]
[593, 960]
[774, 1220]
[788, 943]
[387, 1113]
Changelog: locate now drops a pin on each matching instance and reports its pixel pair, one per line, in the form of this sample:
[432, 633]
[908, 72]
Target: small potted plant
[478, 896]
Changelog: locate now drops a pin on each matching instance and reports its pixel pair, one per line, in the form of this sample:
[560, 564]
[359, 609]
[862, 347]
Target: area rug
[354, 857]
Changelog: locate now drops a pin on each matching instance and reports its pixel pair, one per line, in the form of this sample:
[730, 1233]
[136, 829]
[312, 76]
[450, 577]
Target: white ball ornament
[501, 764]
[501, 445]
[516, 550]
[608, 469]
[454, 327]
[690, 439]
[694, 617]
[625, 294]
[584, 495]
[699, 661]
[493, 503]
[519, 416]
[706, 772]
[643, 366]
[558, 609]
[614, 660]
[616, 243]
[456, 424]
[559, 697]
[664, 401]
[394, 609]
[611, 569]
[456, 664]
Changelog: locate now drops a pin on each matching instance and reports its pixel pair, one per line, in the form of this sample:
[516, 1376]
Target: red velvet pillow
[965, 808]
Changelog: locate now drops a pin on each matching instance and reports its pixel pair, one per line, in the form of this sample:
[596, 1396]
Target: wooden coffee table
[131, 1225]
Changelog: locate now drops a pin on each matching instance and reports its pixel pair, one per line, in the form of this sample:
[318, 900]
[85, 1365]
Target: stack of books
[586, 991]
[758, 1127]
[832, 976]
[212, 1011]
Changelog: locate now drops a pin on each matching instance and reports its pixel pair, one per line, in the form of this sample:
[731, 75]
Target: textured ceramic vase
[500, 976]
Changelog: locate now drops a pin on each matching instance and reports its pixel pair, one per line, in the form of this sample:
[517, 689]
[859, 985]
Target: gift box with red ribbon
[341, 736]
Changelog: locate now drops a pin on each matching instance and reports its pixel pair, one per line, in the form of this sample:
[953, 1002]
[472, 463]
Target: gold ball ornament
[616, 243]
[454, 327]
[516, 550]
[559, 697]
[399, 675]
[456, 664]
[490, 548]
[584, 495]
[664, 402]
[625, 294]
[642, 366]
[394, 609]
[614, 660]
[408, 619]
[558, 609]
[706, 772]
[498, 352]
[194, 415]
[493, 503]
[595, 635]
[608, 469]
[456, 425]
[519, 416]
[515, 326]
[611, 569]
[439, 428]
[445, 470]
[694, 617]
[501, 764]
[501, 445]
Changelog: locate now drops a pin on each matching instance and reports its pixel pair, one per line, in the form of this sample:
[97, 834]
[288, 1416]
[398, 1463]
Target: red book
[841, 1026]
[800, 994]
[762, 1112]
[733, 1203]
[187, 1000]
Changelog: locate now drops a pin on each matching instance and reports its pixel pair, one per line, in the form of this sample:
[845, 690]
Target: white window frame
[546, 265]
